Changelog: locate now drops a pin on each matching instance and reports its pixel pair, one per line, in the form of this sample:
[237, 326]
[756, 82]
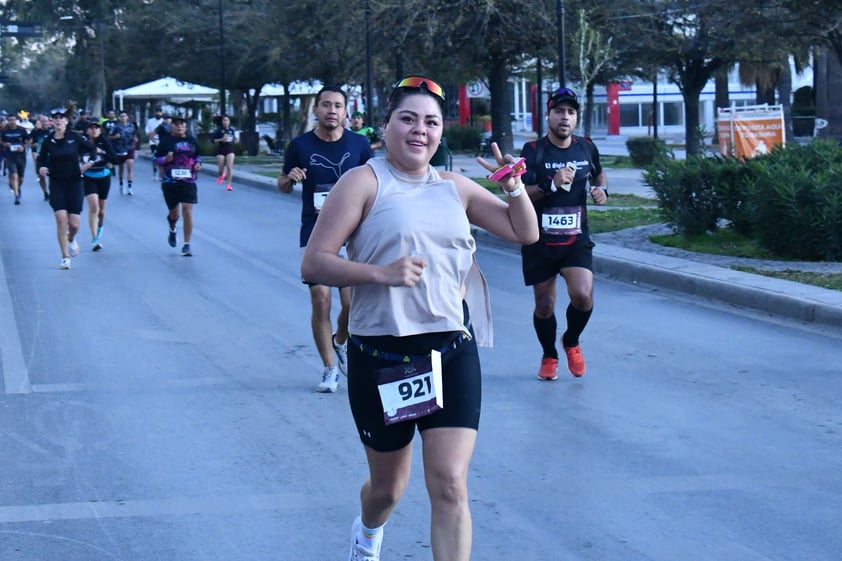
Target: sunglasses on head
[563, 92]
[421, 82]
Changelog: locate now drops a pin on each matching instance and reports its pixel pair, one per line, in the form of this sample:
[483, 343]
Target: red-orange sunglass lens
[421, 82]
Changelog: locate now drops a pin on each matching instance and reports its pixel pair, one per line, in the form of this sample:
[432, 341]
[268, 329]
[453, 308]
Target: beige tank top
[421, 216]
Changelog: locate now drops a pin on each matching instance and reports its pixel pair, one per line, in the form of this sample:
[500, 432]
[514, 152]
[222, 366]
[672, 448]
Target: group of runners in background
[75, 156]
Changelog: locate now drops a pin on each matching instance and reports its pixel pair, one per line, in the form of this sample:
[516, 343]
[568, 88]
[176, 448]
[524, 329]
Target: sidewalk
[773, 296]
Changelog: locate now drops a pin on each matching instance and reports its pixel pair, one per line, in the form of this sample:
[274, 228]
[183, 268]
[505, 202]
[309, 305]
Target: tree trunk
[834, 110]
[765, 94]
[286, 112]
[691, 93]
[820, 83]
[587, 116]
[722, 100]
[785, 95]
[501, 119]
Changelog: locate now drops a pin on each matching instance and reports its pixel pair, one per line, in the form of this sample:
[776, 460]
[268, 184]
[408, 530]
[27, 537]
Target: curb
[777, 297]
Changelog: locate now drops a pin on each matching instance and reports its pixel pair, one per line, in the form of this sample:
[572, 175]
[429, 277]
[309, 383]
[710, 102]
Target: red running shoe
[549, 369]
[575, 360]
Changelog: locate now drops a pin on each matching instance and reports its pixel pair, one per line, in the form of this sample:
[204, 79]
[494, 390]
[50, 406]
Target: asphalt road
[162, 408]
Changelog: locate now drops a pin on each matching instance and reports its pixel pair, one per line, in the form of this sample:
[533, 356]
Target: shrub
[461, 139]
[796, 198]
[206, 146]
[686, 193]
[732, 182]
[645, 150]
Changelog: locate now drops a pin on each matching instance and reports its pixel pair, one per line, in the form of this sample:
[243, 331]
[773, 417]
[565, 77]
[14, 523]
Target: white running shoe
[330, 380]
[358, 552]
[341, 354]
[65, 263]
[73, 248]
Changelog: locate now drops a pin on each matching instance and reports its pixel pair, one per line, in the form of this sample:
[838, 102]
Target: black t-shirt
[102, 154]
[223, 132]
[62, 155]
[81, 125]
[17, 139]
[108, 127]
[561, 206]
[37, 136]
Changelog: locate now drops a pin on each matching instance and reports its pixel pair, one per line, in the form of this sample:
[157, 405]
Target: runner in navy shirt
[316, 160]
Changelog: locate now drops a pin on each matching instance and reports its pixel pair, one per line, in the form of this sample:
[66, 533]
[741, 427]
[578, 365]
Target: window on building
[599, 115]
[645, 112]
[630, 115]
[673, 113]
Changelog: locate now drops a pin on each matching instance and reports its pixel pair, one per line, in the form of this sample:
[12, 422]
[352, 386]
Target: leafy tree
[593, 54]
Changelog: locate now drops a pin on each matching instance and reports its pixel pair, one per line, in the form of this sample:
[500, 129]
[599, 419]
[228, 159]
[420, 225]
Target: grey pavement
[690, 273]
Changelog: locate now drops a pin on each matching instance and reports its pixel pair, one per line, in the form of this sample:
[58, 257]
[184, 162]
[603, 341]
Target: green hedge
[463, 139]
[789, 201]
[685, 191]
[645, 150]
[796, 199]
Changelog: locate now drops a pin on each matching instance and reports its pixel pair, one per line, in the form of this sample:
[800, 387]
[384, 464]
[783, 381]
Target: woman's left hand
[508, 182]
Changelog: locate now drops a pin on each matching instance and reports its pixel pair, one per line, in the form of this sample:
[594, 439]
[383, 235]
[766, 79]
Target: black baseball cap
[178, 118]
[563, 95]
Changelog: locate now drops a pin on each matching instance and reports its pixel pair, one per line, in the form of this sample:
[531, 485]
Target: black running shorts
[99, 186]
[179, 192]
[542, 262]
[461, 379]
[66, 194]
[16, 164]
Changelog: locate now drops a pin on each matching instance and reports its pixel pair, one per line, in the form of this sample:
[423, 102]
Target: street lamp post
[222, 109]
[102, 90]
[368, 72]
[561, 57]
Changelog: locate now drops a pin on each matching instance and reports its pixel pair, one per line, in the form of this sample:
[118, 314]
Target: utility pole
[102, 89]
[222, 105]
[561, 57]
[369, 110]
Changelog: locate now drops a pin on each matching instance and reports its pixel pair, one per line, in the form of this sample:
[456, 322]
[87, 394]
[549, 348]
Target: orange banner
[755, 136]
[746, 132]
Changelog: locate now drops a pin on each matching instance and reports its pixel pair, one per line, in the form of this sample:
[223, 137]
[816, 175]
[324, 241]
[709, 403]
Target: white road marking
[161, 507]
[15, 373]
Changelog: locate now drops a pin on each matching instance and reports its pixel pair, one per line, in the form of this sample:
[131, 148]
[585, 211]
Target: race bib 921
[411, 390]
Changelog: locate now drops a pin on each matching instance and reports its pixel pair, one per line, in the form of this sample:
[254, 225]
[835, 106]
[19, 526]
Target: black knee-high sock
[576, 322]
[546, 329]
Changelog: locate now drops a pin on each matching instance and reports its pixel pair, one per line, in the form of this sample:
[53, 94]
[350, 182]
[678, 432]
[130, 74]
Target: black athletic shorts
[99, 186]
[179, 192]
[16, 164]
[461, 381]
[542, 262]
[67, 194]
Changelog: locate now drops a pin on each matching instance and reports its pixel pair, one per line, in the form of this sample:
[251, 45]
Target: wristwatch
[603, 187]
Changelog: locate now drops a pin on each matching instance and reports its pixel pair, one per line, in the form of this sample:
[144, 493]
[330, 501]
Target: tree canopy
[264, 41]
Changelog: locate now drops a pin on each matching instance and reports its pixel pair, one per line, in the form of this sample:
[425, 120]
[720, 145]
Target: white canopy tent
[166, 88]
[271, 93]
